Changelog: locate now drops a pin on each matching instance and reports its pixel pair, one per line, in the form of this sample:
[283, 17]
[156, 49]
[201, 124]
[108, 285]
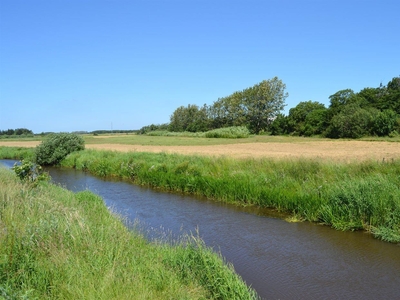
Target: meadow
[55, 244]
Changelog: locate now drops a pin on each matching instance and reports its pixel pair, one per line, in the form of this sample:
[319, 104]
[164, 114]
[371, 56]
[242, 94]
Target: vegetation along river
[280, 260]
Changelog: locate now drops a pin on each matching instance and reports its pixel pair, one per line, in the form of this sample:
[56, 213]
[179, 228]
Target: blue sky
[87, 65]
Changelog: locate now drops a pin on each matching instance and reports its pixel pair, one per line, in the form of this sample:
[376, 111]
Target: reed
[58, 245]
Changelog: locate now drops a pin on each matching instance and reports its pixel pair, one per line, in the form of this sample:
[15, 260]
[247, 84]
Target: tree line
[372, 111]
[14, 132]
[254, 107]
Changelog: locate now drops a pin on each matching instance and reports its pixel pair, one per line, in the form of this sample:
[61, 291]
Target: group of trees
[254, 108]
[18, 131]
[372, 111]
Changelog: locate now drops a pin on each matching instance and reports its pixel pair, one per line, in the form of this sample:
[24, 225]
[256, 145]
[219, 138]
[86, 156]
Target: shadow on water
[280, 260]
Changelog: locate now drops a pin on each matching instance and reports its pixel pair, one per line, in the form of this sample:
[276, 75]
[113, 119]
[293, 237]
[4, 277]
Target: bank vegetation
[55, 244]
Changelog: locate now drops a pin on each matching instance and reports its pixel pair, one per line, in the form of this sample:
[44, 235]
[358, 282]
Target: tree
[352, 122]
[263, 102]
[56, 147]
[280, 125]
[302, 118]
[384, 123]
[190, 118]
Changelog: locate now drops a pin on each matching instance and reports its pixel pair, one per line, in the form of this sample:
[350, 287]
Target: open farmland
[256, 147]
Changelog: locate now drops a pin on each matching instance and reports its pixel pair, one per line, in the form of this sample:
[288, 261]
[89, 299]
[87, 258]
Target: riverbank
[346, 196]
[57, 244]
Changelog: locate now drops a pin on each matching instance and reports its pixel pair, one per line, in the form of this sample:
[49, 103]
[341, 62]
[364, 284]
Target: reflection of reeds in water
[347, 196]
[58, 245]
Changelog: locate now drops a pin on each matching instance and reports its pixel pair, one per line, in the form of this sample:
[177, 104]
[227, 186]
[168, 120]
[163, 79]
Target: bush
[56, 147]
[233, 132]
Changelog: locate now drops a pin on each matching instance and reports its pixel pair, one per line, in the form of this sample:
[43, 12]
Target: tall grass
[16, 153]
[348, 196]
[58, 245]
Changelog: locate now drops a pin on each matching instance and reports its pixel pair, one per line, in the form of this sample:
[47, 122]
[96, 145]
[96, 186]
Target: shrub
[233, 132]
[56, 147]
[30, 172]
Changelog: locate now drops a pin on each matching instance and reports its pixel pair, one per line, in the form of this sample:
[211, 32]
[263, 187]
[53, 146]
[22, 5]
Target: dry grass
[292, 148]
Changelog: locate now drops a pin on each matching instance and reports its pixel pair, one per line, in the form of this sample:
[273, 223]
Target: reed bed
[58, 245]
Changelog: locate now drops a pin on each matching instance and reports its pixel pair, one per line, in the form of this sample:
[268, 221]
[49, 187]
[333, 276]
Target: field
[253, 147]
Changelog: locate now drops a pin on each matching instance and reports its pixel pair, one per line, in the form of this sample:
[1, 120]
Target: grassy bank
[349, 196]
[346, 196]
[58, 245]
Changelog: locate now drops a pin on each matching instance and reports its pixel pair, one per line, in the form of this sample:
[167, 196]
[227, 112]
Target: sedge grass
[58, 245]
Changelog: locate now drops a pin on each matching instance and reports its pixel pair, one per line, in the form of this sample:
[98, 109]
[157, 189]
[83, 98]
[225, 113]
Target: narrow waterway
[280, 260]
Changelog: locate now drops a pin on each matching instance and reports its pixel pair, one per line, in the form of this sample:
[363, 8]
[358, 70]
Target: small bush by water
[58, 245]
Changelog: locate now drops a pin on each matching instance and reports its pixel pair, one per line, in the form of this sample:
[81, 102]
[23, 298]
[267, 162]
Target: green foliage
[190, 118]
[352, 122]
[233, 132]
[17, 153]
[153, 127]
[60, 245]
[56, 147]
[16, 132]
[30, 172]
[307, 118]
[263, 102]
[384, 123]
[280, 125]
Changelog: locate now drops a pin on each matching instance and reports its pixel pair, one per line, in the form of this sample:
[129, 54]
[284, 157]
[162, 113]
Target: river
[280, 260]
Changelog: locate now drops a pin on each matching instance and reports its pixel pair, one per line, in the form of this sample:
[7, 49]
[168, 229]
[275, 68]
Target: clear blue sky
[87, 65]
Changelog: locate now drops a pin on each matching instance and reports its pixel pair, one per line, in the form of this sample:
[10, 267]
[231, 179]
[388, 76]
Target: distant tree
[351, 122]
[384, 123]
[190, 118]
[391, 99]
[304, 121]
[280, 125]
[263, 102]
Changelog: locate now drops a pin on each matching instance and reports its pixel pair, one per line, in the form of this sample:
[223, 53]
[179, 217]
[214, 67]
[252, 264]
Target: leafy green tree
[315, 122]
[352, 122]
[56, 147]
[384, 123]
[391, 99]
[263, 102]
[280, 125]
[190, 118]
[304, 121]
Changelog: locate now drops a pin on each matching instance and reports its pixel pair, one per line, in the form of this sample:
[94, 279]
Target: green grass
[346, 196]
[58, 245]
[349, 196]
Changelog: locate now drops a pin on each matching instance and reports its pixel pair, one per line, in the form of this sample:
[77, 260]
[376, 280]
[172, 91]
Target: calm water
[280, 260]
